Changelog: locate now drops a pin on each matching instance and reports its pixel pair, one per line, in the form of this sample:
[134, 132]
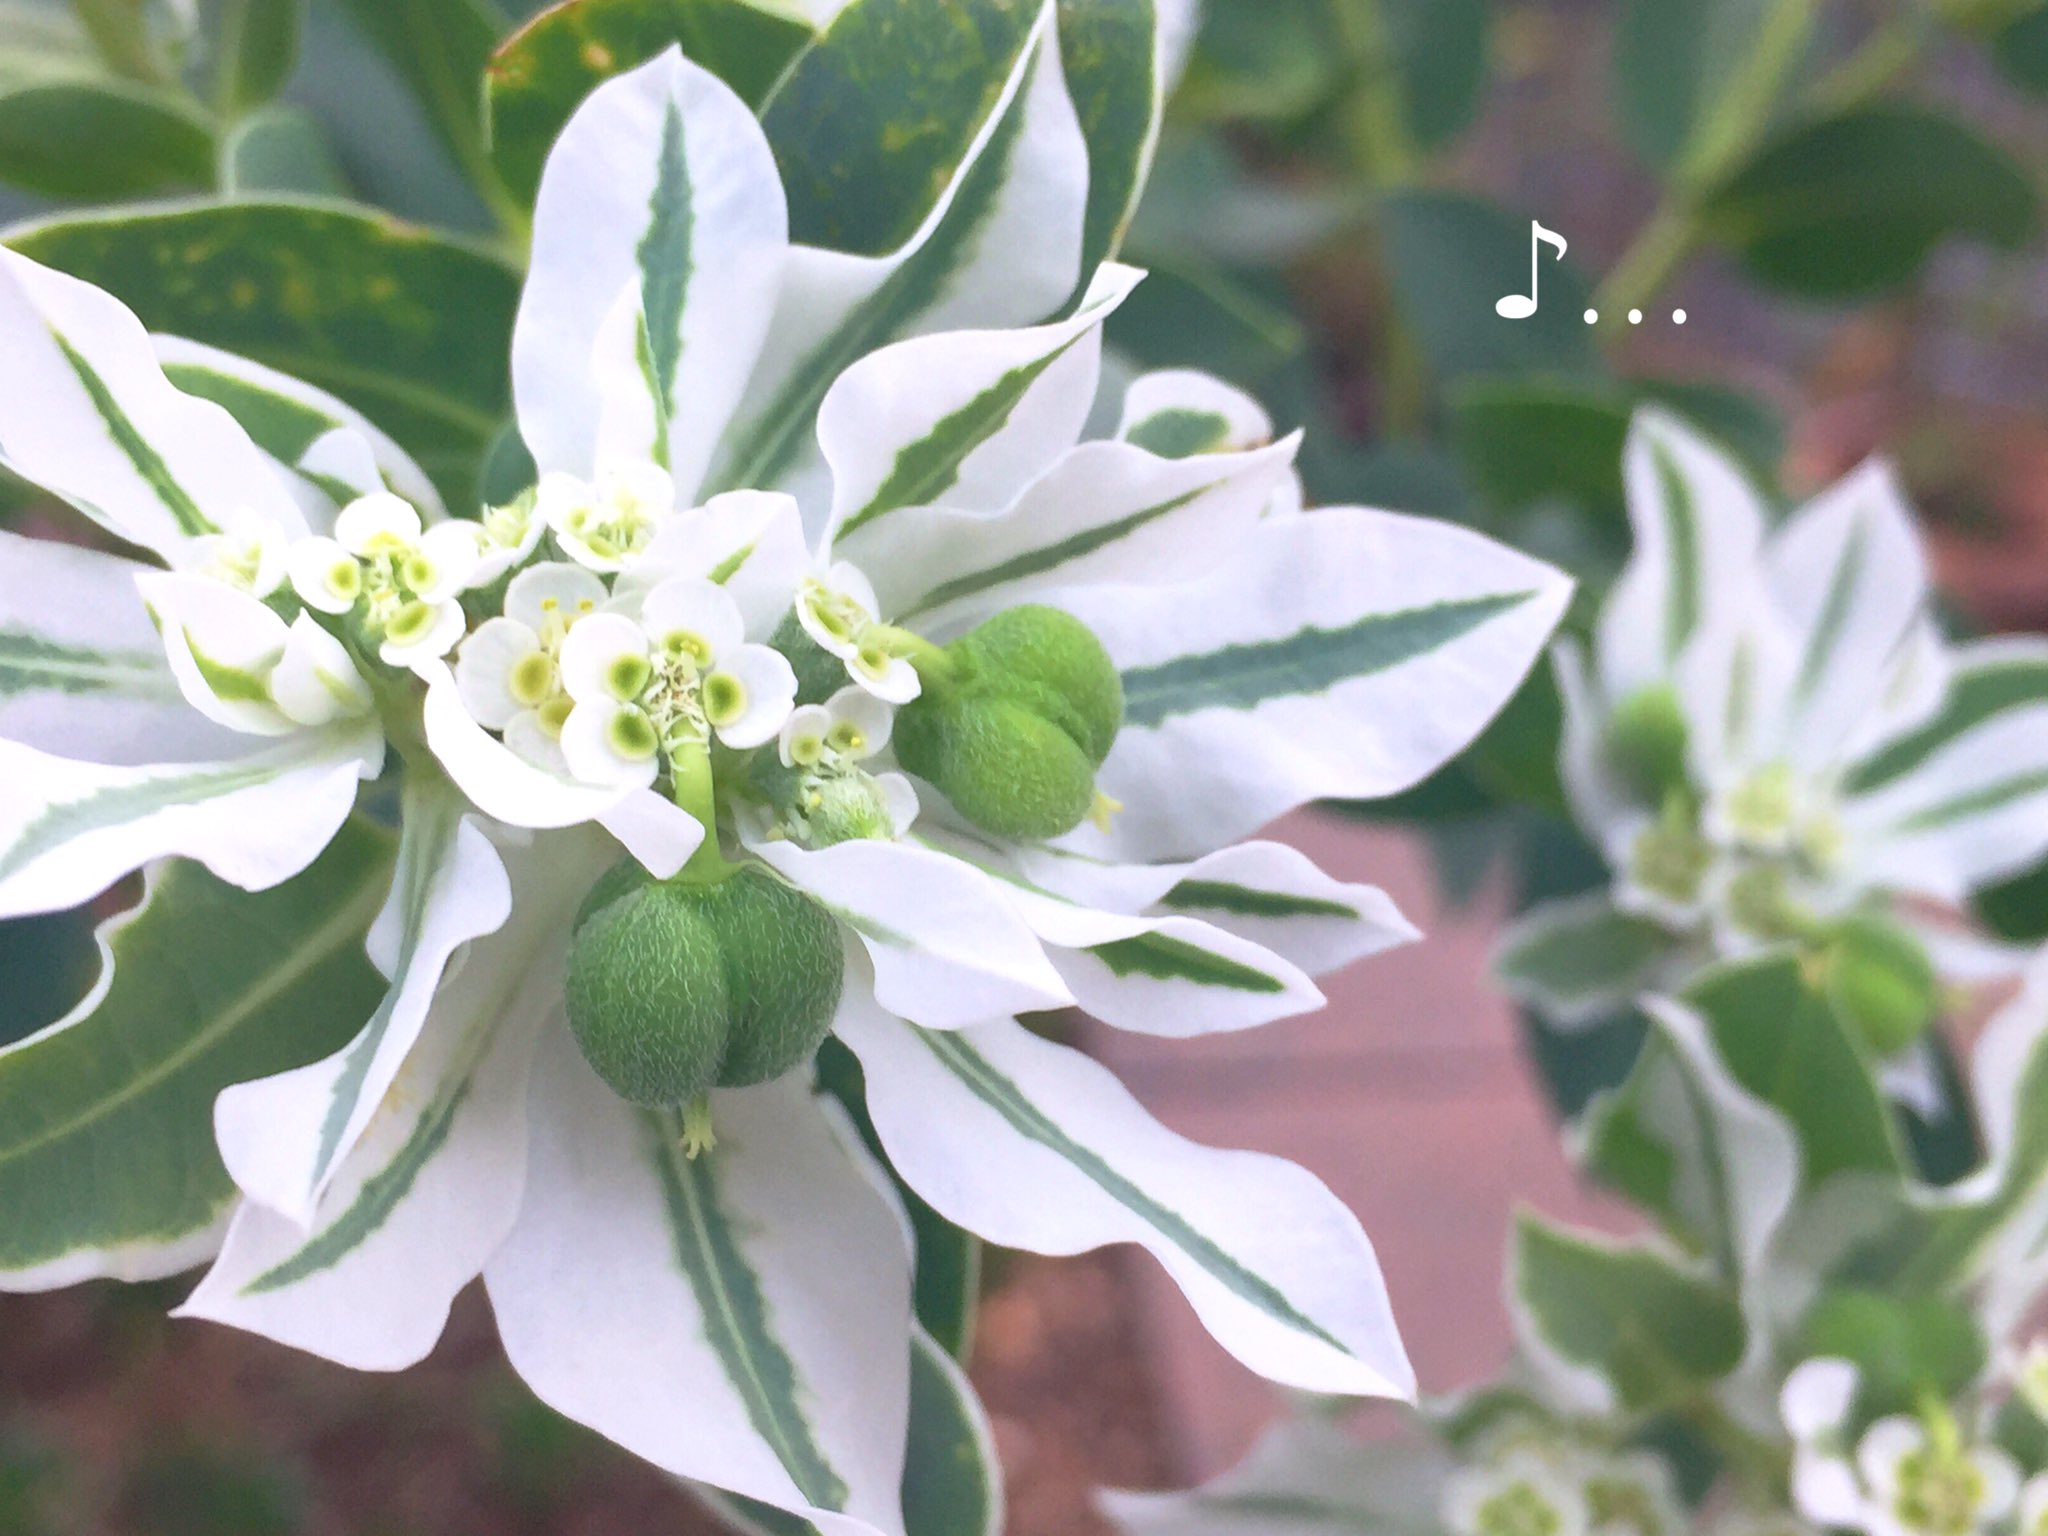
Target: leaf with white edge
[1000, 248]
[107, 1159]
[69, 829]
[545, 70]
[81, 669]
[1176, 412]
[1162, 975]
[756, 1300]
[1656, 1332]
[90, 417]
[1343, 654]
[1579, 960]
[1105, 512]
[948, 946]
[1268, 893]
[326, 442]
[1698, 524]
[965, 418]
[952, 1479]
[1034, 1146]
[285, 1138]
[424, 1199]
[1110, 53]
[1682, 1138]
[658, 245]
[1307, 1477]
[1987, 678]
[409, 327]
[1782, 1043]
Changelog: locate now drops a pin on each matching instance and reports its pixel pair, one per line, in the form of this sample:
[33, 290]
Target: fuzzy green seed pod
[1013, 733]
[1646, 742]
[675, 988]
[1881, 983]
[819, 674]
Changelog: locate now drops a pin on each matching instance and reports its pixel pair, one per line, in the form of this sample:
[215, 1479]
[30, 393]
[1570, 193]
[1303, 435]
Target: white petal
[554, 588]
[1884, 1445]
[68, 830]
[310, 563]
[284, 1137]
[89, 415]
[948, 947]
[454, 550]
[377, 522]
[316, 681]
[769, 686]
[498, 780]
[534, 743]
[750, 542]
[694, 606]
[435, 642]
[871, 718]
[668, 123]
[899, 799]
[100, 687]
[1034, 1146]
[1825, 1490]
[587, 747]
[593, 648]
[898, 682]
[222, 646]
[2001, 1482]
[807, 724]
[1816, 1397]
[433, 1186]
[655, 830]
[484, 667]
[754, 1321]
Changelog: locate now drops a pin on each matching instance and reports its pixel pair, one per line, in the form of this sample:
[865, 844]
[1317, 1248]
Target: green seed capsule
[1646, 742]
[1013, 736]
[674, 989]
[1881, 983]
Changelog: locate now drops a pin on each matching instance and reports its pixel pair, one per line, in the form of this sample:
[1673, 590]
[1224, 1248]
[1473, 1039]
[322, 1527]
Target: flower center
[1520, 1509]
[1940, 1492]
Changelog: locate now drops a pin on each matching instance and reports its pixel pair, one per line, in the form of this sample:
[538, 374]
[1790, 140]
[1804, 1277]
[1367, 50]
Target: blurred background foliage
[1844, 196]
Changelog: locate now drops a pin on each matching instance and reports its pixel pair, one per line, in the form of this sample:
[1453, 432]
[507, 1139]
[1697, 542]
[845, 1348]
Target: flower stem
[692, 787]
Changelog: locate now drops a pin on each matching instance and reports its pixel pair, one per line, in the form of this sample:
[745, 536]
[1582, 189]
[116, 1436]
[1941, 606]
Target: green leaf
[541, 73]
[1903, 1347]
[2021, 49]
[1439, 50]
[101, 139]
[1579, 961]
[1269, 61]
[952, 1478]
[1449, 257]
[256, 47]
[1783, 1043]
[1109, 53]
[1661, 1335]
[1674, 63]
[107, 1158]
[411, 328]
[1189, 314]
[866, 147]
[441, 48]
[1855, 204]
[49, 961]
[279, 150]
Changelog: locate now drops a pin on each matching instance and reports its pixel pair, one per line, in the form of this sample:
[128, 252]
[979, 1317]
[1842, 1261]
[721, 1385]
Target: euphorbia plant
[793, 513]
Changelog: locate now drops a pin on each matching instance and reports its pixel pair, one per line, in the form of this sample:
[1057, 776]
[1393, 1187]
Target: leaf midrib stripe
[1683, 615]
[29, 663]
[1834, 613]
[147, 463]
[36, 839]
[304, 958]
[1003, 1096]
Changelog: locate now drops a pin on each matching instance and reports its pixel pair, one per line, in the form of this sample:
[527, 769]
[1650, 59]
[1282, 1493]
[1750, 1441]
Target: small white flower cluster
[1535, 1482]
[1925, 1474]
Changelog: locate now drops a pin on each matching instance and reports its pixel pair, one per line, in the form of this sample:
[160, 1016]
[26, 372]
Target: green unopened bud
[1014, 735]
[1881, 983]
[676, 988]
[1646, 742]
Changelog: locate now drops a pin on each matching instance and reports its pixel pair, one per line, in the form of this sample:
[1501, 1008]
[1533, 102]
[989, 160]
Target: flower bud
[1016, 730]
[675, 988]
[1646, 742]
[1881, 983]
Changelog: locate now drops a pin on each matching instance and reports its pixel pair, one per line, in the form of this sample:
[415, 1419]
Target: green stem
[1373, 118]
[691, 786]
[1653, 257]
[934, 666]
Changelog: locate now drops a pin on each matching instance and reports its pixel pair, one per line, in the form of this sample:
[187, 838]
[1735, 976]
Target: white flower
[254, 563]
[852, 726]
[2030, 1378]
[603, 525]
[837, 610]
[1814, 1404]
[1923, 1481]
[509, 671]
[1770, 732]
[409, 578]
[1524, 1494]
[2032, 1516]
[507, 537]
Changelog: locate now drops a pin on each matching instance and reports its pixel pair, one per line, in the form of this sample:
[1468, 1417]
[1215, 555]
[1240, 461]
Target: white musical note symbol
[1520, 306]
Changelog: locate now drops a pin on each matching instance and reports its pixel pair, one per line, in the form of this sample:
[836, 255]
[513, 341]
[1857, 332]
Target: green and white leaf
[286, 1138]
[1034, 1146]
[70, 829]
[107, 1159]
[409, 327]
[1987, 678]
[89, 416]
[755, 1301]
[1344, 654]
[963, 419]
[1000, 247]
[1577, 961]
[330, 445]
[431, 1188]
[1176, 412]
[81, 669]
[1110, 52]
[658, 251]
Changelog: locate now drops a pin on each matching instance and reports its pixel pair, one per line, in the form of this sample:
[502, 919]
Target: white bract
[788, 499]
[1771, 738]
